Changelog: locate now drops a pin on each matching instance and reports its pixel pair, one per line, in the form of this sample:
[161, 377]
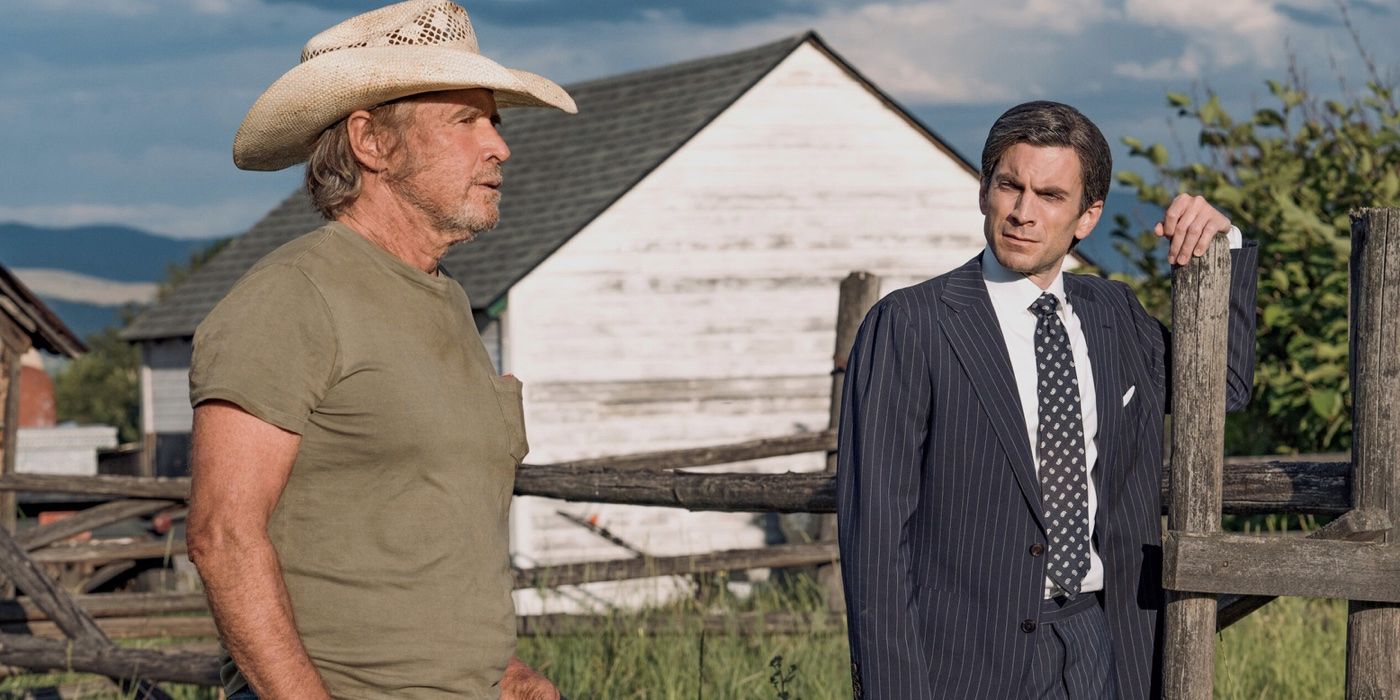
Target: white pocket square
[1129, 395]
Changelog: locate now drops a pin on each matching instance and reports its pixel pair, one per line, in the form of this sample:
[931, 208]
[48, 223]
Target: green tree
[1288, 176]
[104, 386]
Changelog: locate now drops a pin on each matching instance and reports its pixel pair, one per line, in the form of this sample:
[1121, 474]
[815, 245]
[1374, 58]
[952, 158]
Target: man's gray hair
[1044, 123]
[333, 172]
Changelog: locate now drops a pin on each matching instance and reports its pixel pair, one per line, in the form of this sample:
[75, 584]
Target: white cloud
[1185, 67]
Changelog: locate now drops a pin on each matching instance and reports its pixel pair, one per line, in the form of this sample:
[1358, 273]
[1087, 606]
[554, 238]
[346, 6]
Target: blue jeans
[245, 694]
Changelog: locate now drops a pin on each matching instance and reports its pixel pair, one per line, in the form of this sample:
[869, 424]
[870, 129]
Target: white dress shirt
[1012, 294]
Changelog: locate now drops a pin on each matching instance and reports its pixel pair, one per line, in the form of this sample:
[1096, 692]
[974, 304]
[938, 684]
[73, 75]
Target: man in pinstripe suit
[1001, 445]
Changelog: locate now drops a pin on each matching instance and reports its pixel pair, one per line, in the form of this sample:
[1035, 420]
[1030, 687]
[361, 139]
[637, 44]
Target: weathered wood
[90, 519]
[1280, 565]
[783, 493]
[1200, 315]
[141, 627]
[103, 552]
[706, 456]
[16, 565]
[105, 574]
[112, 661]
[100, 605]
[741, 624]
[645, 567]
[1354, 526]
[9, 425]
[1305, 485]
[170, 488]
[859, 292]
[1373, 630]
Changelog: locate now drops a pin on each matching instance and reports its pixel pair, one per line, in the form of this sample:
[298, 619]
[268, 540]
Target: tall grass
[1292, 648]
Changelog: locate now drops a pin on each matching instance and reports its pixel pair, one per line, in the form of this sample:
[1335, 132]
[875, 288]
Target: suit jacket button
[1037, 549]
[1028, 626]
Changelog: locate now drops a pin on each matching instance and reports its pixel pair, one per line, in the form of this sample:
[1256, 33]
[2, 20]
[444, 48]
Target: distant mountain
[116, 253]
[87, 273]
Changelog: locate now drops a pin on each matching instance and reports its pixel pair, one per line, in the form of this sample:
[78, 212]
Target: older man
[354, 450]
[1001, 444]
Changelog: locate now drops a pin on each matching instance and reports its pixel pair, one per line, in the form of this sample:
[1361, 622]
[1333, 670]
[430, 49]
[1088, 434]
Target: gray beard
[462, 223]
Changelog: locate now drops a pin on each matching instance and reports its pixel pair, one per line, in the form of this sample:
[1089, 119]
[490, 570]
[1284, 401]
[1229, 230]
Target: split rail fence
[1215, 578]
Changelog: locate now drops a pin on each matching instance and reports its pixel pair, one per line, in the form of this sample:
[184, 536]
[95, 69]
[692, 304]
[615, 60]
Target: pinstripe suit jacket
[939, 504]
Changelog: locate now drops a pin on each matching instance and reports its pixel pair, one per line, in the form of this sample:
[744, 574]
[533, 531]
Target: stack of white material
[66, 450]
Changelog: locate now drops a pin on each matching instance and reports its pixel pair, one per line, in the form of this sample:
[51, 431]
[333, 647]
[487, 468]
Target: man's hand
[1191, 223]
[522, 683]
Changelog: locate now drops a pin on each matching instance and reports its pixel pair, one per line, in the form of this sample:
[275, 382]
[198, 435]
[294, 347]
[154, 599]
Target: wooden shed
[665, 274]
[25, 323]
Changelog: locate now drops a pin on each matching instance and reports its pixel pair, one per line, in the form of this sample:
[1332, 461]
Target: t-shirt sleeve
[269, 347]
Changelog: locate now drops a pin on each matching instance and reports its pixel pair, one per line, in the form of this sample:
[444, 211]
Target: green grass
[1292, 648]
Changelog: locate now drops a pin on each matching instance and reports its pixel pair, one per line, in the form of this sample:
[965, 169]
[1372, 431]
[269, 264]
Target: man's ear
[982, 197]
[1088, 220]
[366, 142]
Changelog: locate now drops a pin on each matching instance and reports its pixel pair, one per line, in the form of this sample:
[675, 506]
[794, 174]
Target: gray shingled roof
[564, 171]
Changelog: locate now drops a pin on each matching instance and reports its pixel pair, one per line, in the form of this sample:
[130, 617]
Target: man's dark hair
[1044, 123]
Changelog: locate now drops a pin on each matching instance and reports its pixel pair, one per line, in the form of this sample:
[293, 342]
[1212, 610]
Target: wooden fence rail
[1307, 485]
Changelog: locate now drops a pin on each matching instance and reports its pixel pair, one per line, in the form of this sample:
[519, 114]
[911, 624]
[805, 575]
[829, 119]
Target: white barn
[665, 274]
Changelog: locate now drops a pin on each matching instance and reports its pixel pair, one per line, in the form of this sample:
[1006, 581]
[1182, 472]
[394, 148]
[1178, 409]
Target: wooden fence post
[859, 291]
[1200, 316]
[1373, 629]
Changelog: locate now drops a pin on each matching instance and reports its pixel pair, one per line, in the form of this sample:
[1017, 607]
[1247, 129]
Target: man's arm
[522, 683]
[240, 466]
[1191, 223]
[884, 419]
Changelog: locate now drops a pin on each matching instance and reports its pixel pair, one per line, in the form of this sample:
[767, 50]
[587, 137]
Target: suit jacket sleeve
[884, 422]
[1239, 344]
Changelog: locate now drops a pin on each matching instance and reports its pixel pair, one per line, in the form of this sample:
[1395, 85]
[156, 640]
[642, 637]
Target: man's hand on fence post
[1190, 223]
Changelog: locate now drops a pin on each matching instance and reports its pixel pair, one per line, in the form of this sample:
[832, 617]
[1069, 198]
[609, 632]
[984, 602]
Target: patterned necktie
[1064, 488]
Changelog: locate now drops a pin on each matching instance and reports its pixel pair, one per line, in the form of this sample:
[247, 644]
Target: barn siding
[700, 308]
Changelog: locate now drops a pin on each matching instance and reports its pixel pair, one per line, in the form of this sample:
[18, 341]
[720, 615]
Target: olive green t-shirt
[392, 529]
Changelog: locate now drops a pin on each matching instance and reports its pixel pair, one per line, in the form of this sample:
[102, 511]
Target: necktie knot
[1045, 305]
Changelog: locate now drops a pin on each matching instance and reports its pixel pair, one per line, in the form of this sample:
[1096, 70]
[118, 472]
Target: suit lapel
[1097, 324]
[976, 338]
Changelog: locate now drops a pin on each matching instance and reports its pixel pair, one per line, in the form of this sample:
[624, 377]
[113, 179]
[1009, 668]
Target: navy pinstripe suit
[938, 501]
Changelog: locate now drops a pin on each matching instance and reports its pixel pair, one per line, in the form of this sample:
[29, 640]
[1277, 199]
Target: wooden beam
[9, 426]
[741, 624]
[762, 448]
[1373, 628]
[1355, 526]
[90, 519]
[100, 605]
[114, 662]
[1280, 565]
[45, 593]
[1200, 322]
[141, 627]
[171, 488]
[104, 552]
[644, 567]
[859, 292]
[1301, 486]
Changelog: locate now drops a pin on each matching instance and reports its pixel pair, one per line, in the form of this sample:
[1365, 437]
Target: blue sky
[123, 111]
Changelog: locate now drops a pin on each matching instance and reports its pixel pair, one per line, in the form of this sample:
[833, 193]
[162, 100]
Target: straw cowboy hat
[395, 51]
